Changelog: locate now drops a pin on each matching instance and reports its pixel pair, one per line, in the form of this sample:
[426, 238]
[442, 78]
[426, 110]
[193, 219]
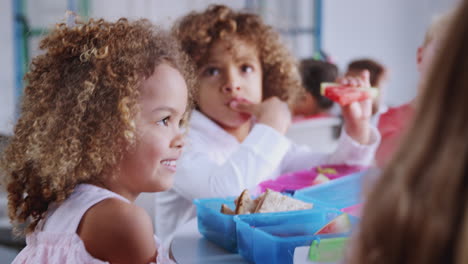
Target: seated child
[313, 73]
[236, 138]
[392, 124]
[417, 211]
[100, 123]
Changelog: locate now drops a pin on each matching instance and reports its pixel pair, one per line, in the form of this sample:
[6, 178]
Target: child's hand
[272, 112]
[358, 114]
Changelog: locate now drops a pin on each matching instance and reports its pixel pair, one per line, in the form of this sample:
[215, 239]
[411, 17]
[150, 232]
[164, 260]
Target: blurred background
[389, 31]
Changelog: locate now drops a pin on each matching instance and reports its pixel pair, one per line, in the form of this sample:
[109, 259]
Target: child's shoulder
[115, 230]
[395, 118]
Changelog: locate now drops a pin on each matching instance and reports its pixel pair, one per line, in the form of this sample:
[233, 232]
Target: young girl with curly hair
[100, 124]
[246, 78]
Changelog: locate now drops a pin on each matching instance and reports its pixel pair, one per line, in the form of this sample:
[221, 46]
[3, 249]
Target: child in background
[236, 137]
[99, 125]
[378, 78]
[423, 192]
[393, 123]
[313, 73]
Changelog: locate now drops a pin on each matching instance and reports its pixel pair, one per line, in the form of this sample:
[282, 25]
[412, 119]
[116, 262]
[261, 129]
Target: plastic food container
[340, 194]
[220, 228]
[305, 178]
[213, 225]
[269, 238]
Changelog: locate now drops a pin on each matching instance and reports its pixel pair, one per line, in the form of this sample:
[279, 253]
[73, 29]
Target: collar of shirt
[200, 123]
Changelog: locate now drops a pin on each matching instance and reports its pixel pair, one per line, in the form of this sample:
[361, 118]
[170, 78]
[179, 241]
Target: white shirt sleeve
[348, 152]
[259, 155]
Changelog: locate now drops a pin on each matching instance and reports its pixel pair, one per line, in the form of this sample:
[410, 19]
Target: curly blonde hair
[78, 109]
[198, 31]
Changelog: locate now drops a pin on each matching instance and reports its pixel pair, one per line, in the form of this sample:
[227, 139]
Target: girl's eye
[247, 68]
[181, 123]
[212, 71]
[164, 122]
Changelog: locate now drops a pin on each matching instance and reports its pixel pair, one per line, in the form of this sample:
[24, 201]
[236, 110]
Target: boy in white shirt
[236, 138]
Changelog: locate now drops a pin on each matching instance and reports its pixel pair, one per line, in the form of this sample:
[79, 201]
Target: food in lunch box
[354, 210]
[269, 201]
[226, 210]
[244, 204]
[340, 224]
[320, 179]
[345, 94]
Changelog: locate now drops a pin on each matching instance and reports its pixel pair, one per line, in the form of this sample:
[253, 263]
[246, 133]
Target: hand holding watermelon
[349, 90]
[354, 96]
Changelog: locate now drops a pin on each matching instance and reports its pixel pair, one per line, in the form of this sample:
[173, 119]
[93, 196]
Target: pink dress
[55, 240]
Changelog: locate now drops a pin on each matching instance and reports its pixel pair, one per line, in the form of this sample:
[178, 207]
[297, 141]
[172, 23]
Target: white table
[189, 246]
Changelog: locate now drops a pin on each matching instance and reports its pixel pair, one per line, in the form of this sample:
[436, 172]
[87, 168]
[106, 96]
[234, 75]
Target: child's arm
[358, 141]
[348, 151]
[118, 232]
[257, 158]
[202, 174]
[357, 114]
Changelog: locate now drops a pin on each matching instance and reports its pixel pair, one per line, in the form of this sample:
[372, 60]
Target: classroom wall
[389, 31]
[162, 12]
[7, 96]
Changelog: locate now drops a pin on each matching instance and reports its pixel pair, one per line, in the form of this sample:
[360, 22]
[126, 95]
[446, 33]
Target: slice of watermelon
[345, 95]
[354, 210]
[320, 179]
[340, 224]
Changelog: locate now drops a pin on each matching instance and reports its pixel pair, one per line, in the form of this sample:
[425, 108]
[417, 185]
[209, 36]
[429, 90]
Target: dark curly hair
[314, 72]
[377, 70]
[78, 109]
[197, 31]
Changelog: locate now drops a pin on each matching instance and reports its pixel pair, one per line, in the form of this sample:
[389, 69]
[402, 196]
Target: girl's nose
[231, 82]
[230, 88]
[178, 141]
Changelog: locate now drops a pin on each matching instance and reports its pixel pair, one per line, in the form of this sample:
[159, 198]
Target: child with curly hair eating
[246, 78]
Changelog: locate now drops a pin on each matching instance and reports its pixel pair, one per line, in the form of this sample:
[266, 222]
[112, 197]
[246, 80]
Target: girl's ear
[419, 56]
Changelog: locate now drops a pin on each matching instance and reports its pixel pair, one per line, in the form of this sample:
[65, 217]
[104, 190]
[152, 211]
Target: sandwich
[269, 201]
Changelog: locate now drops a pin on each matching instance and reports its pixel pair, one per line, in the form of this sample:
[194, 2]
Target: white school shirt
[215, 164]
